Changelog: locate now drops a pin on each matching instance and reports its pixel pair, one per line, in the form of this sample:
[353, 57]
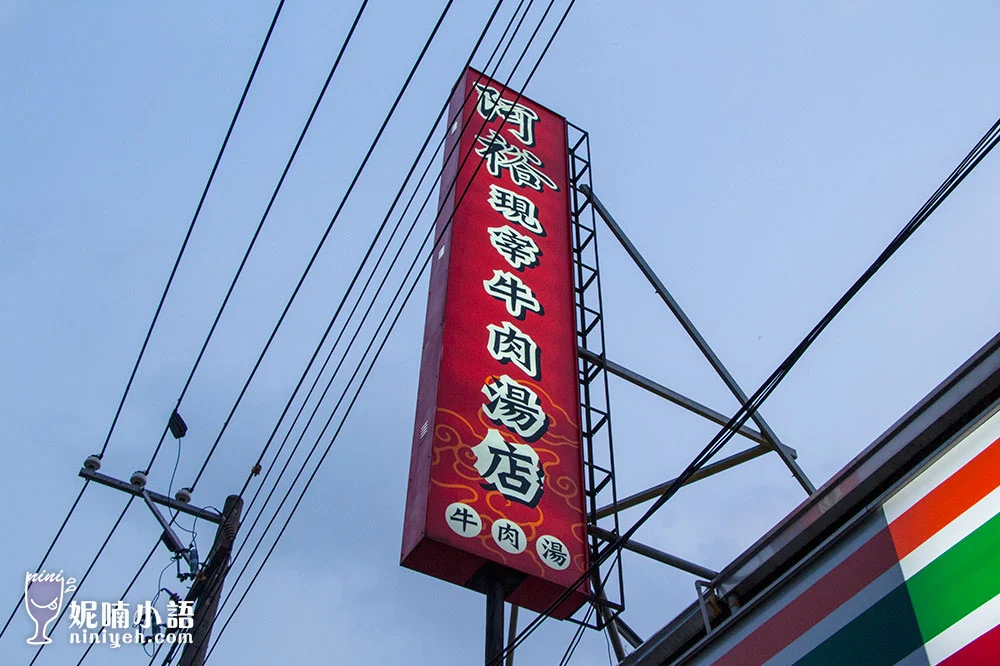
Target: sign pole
[511, 635]
[494, 620]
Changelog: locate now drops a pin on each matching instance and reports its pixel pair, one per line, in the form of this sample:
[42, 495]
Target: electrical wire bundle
[390, 313]
[319, 415]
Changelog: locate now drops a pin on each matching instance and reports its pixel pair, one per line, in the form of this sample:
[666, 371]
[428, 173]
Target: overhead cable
[371, 366]
[163, 297]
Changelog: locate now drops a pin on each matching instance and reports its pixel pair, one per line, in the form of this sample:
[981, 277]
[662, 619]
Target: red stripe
[947, 501]
[983, 651]
[845, 580]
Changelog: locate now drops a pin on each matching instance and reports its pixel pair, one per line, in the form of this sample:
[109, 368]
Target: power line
[394, 106]
[979, 151]
[194, 219]
[128, 589]
[364, 289]
[365, 316]
[576, 638]
[332, 378]
[375, 358]
[163, 297]
[336, 215]
[47, 553]
[260, 225]
[374, 143]
[351, 344]
[232, 285]
[83, 578]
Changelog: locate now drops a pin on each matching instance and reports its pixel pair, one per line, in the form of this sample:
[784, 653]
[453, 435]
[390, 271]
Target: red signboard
[496, 474]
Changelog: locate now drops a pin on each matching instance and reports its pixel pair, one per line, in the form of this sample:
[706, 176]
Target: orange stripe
[947, 501]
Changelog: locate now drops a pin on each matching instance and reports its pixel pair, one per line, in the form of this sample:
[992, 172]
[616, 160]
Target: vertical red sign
[496, 474]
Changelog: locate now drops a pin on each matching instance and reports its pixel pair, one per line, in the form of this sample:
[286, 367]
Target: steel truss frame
[603, 503]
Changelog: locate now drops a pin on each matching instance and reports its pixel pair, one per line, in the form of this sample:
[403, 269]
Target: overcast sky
[759, 157]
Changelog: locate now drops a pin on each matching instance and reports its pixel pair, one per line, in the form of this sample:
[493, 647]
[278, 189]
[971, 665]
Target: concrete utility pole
[207, 589]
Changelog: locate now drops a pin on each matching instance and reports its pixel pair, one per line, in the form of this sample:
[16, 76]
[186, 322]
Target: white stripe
[967, 523]
[955, 459]
[963, 632]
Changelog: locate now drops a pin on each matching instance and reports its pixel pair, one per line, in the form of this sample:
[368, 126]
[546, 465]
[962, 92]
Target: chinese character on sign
[512, 469]
[516, 407]
[509, 536]
[180, 614]
[509, 288]
[463, 519]
[519, 250]
[522, 164]
[114, 616]
[83, 614]
[553, 552]
[147, 617]
[491, 105]
[509, 345]
[516, 208]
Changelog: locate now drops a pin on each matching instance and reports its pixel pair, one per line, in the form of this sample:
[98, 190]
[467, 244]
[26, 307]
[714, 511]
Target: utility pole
[208, 579]
[206, 590]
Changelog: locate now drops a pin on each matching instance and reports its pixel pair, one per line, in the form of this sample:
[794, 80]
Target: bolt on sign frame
[496, 488]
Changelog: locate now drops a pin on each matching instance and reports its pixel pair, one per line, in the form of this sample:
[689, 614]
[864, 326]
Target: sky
[759, 157]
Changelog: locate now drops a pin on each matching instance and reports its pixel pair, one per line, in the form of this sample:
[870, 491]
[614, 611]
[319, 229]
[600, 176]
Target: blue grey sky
[759, 156]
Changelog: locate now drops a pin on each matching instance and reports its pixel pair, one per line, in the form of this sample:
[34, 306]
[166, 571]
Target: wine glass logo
[43, 597]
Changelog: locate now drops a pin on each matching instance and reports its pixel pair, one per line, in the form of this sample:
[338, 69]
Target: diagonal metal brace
[668, 394]
[627, 632]
[695, 336]
[654, 553]
[706, 471]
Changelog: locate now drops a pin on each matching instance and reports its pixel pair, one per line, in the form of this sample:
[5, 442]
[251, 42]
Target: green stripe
[958, 582]
[962, 579]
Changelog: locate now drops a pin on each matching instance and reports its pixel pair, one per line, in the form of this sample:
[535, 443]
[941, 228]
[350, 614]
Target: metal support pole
[609, 622]
[511, 635]
[673, 396]
[206, 591]
[656, 554]
[706, 471]
[627, 632]
[494, 621]
[699, 341]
